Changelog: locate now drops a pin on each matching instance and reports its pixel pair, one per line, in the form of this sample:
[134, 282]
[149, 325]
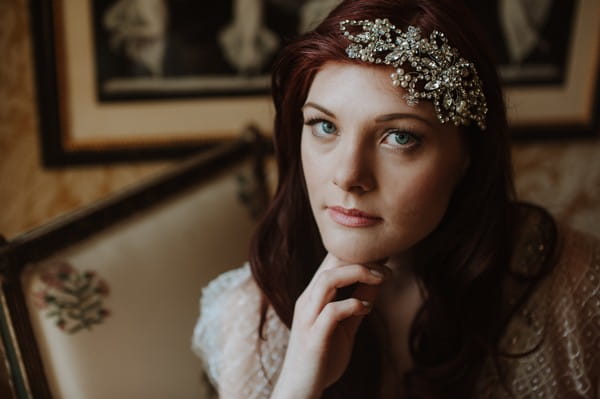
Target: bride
[395, 259]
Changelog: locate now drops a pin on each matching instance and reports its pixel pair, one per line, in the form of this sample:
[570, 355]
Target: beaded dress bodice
[559, 325]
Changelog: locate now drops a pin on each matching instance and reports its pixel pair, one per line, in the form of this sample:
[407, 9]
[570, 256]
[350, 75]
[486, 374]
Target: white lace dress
[562, 319]
[226, 337]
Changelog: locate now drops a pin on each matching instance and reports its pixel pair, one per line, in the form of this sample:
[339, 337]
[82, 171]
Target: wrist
[287, 388]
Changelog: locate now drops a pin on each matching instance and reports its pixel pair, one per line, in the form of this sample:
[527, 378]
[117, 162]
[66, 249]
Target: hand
[323, 330]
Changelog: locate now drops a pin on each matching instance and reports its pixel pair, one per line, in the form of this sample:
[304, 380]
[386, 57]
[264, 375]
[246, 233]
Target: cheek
[314, 173]
[422, 199]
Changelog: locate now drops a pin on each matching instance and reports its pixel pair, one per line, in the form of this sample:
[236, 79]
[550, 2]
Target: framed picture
[124, 80]
[548, 53]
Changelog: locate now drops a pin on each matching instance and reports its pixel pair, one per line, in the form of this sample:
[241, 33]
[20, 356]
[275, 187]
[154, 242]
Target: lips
[352, 217]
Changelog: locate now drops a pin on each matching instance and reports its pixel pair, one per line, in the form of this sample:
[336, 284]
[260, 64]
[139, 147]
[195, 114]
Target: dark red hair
[458, 325]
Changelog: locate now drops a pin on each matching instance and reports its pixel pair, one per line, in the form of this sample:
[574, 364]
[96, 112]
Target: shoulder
[552, 248]
[575, 270]
[229, 288]
[565, 260]
[556, 331]
[551, 345]
[578, 256]
[232, 292]
[574, 285]
[226, 336]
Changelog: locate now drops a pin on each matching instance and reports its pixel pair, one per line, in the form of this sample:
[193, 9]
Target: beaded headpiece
[427, 69]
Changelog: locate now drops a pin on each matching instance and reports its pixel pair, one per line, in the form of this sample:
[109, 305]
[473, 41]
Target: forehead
[362, 88]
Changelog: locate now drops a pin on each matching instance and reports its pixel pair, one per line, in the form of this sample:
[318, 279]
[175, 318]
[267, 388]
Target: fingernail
[366, 304]
[376, 272]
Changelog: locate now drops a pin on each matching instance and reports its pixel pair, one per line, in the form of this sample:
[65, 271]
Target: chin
[352, 252]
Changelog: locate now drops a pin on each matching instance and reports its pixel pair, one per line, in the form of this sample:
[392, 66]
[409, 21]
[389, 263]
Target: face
[379, 172]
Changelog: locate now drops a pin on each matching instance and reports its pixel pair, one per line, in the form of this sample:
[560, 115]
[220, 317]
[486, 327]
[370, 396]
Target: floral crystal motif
[73, 298]
[428, 69]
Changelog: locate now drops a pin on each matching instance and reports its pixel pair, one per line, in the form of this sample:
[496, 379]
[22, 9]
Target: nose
[354, 167]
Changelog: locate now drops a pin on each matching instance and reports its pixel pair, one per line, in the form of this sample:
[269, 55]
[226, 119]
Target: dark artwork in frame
[548, 58]
[186, 48]
[136, 80]
[530, 38]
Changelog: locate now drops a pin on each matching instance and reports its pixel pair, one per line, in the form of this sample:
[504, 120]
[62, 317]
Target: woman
[394, 260]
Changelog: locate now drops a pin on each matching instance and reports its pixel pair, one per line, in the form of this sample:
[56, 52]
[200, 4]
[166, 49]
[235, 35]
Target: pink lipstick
[352, 217]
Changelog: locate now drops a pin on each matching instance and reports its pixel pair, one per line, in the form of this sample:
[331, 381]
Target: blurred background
[561, 174]
[159, 261]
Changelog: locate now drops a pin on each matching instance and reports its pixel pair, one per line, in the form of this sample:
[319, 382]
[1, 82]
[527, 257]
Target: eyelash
[414, 137]
[313, 121]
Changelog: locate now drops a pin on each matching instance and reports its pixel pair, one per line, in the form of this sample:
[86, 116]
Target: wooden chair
[101, 303]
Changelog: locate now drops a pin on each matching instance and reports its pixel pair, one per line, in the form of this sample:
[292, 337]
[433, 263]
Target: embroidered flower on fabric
[73, 298]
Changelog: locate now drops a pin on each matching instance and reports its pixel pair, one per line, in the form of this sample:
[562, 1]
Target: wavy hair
[458, 326]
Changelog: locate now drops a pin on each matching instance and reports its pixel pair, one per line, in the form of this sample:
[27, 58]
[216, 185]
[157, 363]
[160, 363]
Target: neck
[402, 267]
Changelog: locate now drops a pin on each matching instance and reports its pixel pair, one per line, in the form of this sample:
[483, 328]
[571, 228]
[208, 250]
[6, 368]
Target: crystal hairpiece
[428, 69]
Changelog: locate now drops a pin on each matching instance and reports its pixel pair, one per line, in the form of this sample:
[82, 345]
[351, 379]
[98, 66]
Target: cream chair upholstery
[146, 273]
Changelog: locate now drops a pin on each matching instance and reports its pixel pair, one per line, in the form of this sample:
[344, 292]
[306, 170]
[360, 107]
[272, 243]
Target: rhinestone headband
[427, 69]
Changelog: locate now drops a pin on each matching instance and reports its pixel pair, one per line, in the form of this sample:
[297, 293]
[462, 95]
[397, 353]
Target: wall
[564, 176]
[30, 195]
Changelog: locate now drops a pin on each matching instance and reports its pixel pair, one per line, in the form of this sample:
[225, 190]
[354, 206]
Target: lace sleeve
[554, 341]
[226, 338]
[578, 310]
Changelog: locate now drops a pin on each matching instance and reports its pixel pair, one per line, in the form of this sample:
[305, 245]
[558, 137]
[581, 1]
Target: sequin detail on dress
[226, 337]
[561, 321]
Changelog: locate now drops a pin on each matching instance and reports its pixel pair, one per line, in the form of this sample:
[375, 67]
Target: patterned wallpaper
[563, 176]
[29, 194]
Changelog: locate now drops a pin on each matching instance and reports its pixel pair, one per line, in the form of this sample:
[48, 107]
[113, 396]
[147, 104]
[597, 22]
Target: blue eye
[400, 138]
[327, 127]
[321, 127]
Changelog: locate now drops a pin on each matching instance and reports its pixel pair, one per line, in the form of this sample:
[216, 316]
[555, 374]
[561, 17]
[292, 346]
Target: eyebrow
[317, 106]
[402, 115]
[380, 118]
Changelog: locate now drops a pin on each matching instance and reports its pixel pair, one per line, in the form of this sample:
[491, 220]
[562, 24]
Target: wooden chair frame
[22, 374]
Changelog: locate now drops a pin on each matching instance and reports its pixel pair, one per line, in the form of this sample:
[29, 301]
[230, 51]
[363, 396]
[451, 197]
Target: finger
[369, 292]
[329, 262]
[326, 285]
[364, 293]
[336, 312]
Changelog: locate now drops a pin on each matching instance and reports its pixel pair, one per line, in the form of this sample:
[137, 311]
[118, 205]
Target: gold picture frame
[76, 127]
[551, 90]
